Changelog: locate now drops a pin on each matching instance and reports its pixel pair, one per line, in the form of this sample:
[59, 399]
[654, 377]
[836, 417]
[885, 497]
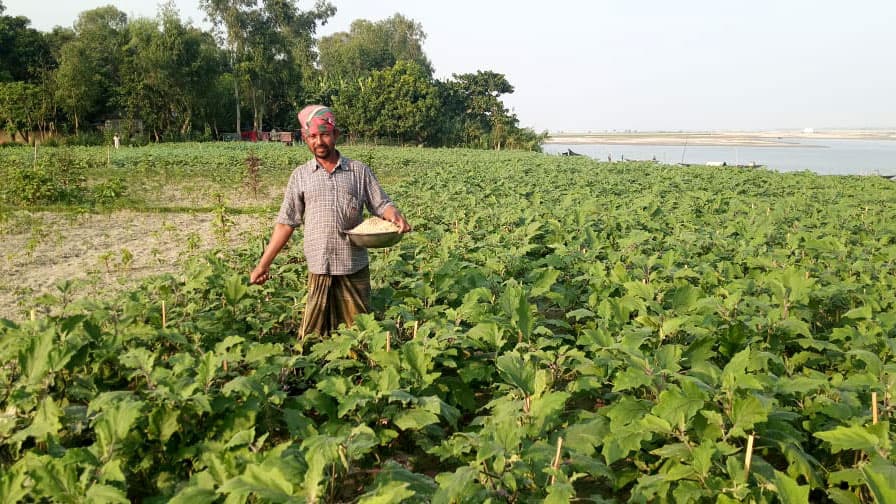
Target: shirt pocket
[351, 211]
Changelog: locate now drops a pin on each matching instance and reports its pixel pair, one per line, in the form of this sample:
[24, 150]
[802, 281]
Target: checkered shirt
[327, 204]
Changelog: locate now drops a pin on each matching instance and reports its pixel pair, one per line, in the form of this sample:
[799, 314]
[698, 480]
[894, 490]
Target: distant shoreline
[780, 138]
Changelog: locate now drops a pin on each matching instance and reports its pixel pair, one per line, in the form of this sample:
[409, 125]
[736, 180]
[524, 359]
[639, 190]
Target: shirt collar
[342, 164]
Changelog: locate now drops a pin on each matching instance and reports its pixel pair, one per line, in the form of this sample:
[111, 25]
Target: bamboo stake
[749, 457]
[388, 341]
[164, 316]
[416, 326]
[556, 464]
[874, 408]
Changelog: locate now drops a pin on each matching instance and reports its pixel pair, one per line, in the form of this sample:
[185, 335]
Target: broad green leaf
[862, 312]
[789, 491]
[456, 486]
[33, 360]
[678, 405]
[684, 298]
[45, 422]
[421, 485]
[880, 476]
[320, 451]
[795, 327]
[106, 494]
[517, 372]
[241, 438]
[840, 496]
[746, 413]
[584, 437]
[546, 410]
[115, 422]
[560, 493]
[138, 358]
[13, 484]
[235, 289]
[656, 424]
[389, 493]
[163, 422]
[414, 419]
[488, 333]
[735, 375]
[262, 482]
[544, 280]
[849, 438]
[630, 379]
[360, 441]
[420, 362]
[620, 442]
[626, 411]
[195, 495]
[872, 362]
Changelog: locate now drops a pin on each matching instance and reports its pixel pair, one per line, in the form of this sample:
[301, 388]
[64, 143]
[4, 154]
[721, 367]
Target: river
[826, 157]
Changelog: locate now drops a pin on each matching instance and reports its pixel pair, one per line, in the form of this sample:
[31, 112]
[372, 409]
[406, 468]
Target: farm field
[554, 329]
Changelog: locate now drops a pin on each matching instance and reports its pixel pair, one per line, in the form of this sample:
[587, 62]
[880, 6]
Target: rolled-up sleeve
[292, 211]
[377, 199]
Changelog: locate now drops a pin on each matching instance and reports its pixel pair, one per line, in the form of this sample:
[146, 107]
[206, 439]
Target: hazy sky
[638, 64]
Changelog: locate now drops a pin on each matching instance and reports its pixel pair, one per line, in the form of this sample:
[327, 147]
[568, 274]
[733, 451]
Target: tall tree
[486, 120]
[167, 71]
[88, 78]
[370, 46]
[262, 40]
[21, 108]
[78, 83]
[401, 102]
[23, 50]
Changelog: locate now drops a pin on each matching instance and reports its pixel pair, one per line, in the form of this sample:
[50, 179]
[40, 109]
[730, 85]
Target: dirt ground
[107, 252]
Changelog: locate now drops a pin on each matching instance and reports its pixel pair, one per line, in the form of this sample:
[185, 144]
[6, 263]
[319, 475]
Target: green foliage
[41, 184]
[373, 46]
[652, 317]
[400, 101]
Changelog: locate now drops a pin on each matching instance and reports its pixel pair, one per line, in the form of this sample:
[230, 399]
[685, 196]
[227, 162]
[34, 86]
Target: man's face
[322, 144]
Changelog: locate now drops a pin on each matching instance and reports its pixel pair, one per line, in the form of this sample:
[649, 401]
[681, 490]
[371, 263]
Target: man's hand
[392, 215]
[260, 275]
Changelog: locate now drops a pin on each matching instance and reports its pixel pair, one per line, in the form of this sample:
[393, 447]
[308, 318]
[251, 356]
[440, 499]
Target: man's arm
[279, 237]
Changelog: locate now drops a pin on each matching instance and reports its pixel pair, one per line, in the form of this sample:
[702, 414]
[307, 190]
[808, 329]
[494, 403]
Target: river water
[826, 157]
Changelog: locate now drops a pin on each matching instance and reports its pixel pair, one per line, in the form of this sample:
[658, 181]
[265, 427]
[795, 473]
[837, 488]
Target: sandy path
[108, 251]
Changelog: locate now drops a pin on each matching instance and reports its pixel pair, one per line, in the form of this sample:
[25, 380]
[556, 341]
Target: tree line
[164, 79]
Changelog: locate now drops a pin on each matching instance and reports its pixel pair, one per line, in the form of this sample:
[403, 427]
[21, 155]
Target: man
[326, 195]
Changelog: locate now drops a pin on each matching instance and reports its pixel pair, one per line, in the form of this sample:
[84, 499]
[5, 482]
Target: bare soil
[106, 252]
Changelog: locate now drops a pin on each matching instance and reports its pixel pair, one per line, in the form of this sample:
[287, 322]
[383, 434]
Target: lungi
[335, 299]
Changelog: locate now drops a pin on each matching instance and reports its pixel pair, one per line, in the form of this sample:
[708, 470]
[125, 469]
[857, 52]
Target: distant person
[327, 196]
[116, 140]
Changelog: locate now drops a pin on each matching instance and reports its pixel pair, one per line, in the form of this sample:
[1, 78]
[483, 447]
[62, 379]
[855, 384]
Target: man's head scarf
[317, 119]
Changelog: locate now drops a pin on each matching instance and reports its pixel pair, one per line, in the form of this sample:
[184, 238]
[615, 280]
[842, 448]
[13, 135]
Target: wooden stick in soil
[555, 465]
[874, 408]
[164, 316]
[749, 457]
[388, 341]
[416, 325]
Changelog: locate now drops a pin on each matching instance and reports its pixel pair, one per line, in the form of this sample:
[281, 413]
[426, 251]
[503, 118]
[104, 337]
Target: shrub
[41, 184]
